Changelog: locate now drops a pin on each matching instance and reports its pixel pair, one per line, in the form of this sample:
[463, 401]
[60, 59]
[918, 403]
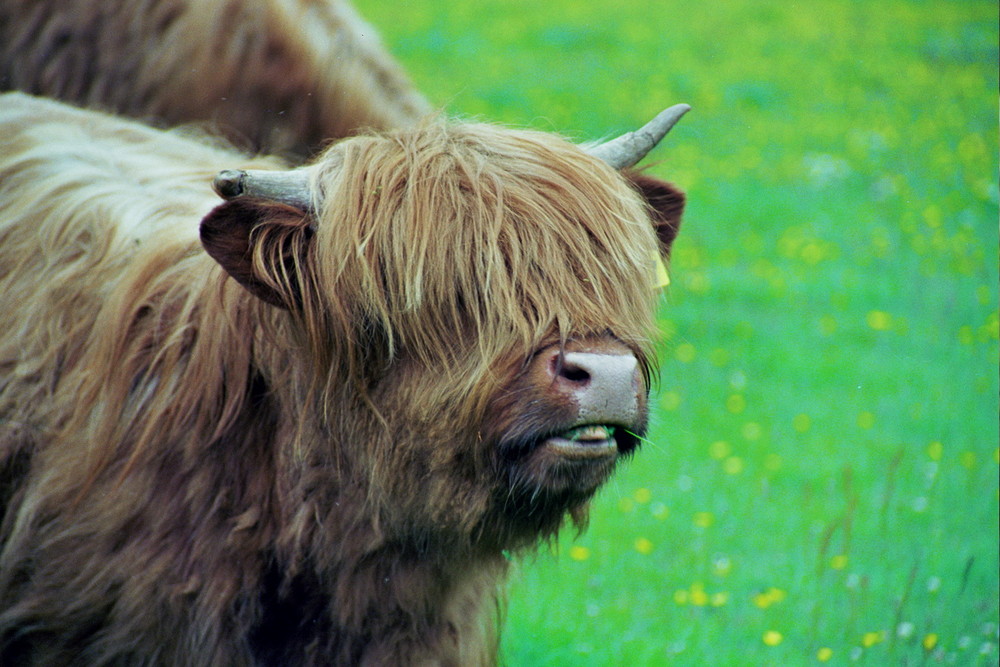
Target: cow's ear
[263, 245]
[666, 205]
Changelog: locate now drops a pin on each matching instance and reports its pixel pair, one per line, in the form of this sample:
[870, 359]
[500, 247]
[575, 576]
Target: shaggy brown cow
[434, 347]
[279, 75]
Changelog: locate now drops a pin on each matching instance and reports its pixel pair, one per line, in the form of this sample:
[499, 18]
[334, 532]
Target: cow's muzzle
[604, 390]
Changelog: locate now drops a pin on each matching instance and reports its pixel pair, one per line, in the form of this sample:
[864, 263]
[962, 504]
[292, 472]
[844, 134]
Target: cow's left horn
[287, 187]
[628, 149]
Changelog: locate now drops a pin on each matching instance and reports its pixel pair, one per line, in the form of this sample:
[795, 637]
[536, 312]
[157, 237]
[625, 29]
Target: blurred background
[820, 483]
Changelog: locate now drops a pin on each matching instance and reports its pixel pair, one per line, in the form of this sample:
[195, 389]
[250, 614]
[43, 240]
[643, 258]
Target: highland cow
[311, 430]
[275, 75]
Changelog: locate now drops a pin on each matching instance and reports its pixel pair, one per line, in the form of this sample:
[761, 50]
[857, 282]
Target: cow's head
[476, 306]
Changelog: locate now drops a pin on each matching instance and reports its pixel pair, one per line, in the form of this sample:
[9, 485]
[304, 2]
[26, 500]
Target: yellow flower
[932, 215]
[871, 638]
[769, 597]
[579, 553]
[685, 353]
[719, 357]
[733, 465]
[879, 320]
[824, 654]
[838, 562]
[697, 282]
[720, 599]
[935, 450]
[772, 637]
[670, 400]
[930, 641]
[719, 450]
[812, 253]
[644, 546]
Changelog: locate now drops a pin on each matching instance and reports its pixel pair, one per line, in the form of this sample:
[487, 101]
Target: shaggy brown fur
[276, 75]
[190, 475]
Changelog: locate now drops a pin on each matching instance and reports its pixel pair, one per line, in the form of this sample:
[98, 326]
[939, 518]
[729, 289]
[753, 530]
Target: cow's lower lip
[593, 441]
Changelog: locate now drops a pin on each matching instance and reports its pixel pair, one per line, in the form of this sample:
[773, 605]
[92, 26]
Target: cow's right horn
[628, 149]
[287, 187]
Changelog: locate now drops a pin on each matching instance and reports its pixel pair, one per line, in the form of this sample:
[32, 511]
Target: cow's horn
[628, 149]
[287, 187]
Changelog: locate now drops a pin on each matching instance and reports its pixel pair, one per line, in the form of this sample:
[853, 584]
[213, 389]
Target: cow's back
[84, 197]
[278, 75]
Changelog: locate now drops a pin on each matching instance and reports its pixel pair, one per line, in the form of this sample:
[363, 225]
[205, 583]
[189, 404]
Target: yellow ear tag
[662, 277]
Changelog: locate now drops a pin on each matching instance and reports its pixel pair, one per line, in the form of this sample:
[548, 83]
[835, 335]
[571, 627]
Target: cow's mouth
[573, 444]
[592, 441]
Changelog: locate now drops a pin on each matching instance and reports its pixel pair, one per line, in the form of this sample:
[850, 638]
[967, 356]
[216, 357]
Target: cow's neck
[387, 607]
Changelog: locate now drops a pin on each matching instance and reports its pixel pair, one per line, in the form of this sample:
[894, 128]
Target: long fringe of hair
[459, 244]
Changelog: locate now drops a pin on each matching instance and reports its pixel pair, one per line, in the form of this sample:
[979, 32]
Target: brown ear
[666, 205]
[262, 245]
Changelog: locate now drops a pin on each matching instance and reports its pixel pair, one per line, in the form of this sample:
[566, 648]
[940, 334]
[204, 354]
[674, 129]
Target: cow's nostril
[573, 372]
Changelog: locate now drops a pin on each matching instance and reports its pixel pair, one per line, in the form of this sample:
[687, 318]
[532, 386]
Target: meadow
[820, 483]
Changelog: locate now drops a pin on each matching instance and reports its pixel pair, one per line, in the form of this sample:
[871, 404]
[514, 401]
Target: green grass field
[821, 481]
